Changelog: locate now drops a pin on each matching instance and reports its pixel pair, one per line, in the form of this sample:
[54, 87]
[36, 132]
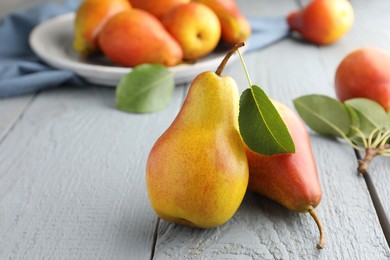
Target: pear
[234, 25]
[322, 21]
[364, 73]
[91, 15]
[197, 171]
[134, 37]
[157, 8]
[195, 27]
[289, 179]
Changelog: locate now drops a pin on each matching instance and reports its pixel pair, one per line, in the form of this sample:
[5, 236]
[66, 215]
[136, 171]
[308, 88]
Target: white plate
[52, 42]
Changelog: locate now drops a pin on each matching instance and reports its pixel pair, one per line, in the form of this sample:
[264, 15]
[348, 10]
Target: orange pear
[135, 37]
[289, 179]
[195, 27]
[90, 18]
[322, 21]
[364, 73]
[157, 7]
[235, 27]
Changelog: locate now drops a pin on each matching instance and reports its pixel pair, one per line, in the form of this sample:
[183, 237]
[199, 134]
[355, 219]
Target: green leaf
[371, 114]
[261, 127]
[147, 88]
[324, 115]
[355, 122]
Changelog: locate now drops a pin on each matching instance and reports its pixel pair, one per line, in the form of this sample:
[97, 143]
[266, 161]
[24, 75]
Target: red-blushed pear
[135, 37]
[365, 73]
[195, 27]
[197, 171]
[235, 26]
[157, 7]
[91, 15]
[289, 179]
[322, 21]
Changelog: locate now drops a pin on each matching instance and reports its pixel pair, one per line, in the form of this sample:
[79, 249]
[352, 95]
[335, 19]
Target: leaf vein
[322, 119]
[266, 123]
[149, 87]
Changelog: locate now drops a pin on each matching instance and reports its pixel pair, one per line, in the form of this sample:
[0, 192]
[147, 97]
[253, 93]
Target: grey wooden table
[72, 168]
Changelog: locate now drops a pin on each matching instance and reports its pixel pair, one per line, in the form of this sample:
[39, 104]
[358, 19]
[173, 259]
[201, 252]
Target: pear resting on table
[289, 179]
[197, 171]
[171, 32]
[322, 21]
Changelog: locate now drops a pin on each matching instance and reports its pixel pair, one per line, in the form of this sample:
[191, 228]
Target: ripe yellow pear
[197, 171]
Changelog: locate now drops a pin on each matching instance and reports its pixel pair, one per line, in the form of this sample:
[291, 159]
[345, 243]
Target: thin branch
[352, 144]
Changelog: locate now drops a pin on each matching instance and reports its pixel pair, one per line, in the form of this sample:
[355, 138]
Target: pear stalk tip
[314, 215]
[222, 66]
[363, 163]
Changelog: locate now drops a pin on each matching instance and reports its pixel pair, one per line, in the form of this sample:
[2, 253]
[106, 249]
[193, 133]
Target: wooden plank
[11, 109]
[379, 173]
[261, 229]
[70, 188]
[72, 178]
[373, 23]
[370, 29]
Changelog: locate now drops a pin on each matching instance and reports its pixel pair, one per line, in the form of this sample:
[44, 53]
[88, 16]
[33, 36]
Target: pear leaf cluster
[147, 88]
[261, 127]
[362, 122]
[324, 115]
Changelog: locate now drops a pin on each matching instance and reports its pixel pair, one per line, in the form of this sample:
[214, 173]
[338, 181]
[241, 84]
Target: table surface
[72, 167]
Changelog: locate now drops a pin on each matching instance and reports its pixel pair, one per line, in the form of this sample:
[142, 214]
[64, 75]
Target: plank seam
[379, 210]
[155, 236]
[21, 115]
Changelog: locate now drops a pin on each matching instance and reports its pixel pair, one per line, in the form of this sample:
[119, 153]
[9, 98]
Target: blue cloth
[22, 72]
[266, 30]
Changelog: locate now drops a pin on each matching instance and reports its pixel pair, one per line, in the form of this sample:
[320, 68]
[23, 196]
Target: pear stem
[363, 163]
[314, 215]
[245, 68]
[222, 66]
